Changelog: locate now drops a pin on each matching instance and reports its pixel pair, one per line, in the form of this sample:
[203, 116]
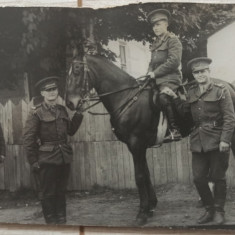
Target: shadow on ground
[105, 207]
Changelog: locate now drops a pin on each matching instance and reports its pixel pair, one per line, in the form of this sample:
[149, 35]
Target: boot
[61, 210]
[48, 209]
[219, 217]
[173, 129]
[220, 191]
[204, 193]
[208, 216]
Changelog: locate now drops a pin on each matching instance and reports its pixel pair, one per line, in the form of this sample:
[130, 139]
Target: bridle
[87, 85]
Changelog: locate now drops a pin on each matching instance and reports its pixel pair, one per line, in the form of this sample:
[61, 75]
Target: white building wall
[221, 49]
[137, 56]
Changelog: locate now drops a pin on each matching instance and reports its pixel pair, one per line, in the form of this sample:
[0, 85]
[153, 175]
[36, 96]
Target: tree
[38, 40]
[193, 23]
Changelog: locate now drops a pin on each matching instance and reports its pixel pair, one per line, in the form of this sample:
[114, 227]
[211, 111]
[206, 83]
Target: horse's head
[77, 83]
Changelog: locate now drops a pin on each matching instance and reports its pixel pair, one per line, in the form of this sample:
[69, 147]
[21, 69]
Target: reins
[123, 107]
[102, 95]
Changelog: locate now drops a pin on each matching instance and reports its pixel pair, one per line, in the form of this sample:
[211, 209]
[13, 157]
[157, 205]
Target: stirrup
[171, 137]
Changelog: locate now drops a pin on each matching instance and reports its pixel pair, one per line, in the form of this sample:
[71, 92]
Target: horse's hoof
[152, 207]
[142, 219]
[150, 213]
[153, 204]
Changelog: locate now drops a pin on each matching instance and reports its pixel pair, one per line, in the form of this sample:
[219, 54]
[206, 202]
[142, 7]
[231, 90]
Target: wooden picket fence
[99, 158]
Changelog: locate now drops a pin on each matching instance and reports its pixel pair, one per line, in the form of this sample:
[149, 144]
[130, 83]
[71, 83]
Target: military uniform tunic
[45, 134]
[165, 61]
[213, 116]
[45, 141]
[214, 121]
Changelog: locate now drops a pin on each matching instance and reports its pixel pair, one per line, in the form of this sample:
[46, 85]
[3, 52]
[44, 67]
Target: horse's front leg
[152, 198]
[142, 179]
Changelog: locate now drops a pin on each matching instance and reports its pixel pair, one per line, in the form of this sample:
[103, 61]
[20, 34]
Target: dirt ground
[106, 207]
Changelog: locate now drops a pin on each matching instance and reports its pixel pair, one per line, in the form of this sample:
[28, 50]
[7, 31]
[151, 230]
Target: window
[122, 49]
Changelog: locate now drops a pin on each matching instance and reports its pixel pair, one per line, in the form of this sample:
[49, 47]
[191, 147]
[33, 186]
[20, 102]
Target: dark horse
[132, 116]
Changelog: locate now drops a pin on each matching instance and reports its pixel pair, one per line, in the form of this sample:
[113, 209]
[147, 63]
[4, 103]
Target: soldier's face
[50, 95]
[202, 76]
[160, 27]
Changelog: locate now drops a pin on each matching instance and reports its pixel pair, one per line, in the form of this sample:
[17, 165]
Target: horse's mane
[111, 68]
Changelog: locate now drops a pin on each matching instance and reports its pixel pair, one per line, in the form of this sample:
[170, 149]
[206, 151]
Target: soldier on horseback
[166, 53]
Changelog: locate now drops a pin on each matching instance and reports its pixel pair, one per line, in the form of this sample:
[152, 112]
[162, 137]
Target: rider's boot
[174, 134]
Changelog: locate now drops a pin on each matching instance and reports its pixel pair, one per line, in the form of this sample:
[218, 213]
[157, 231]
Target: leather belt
[56, 142]
[208, 123]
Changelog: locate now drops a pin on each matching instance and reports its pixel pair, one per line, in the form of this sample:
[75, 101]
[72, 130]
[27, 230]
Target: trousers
[211, 166]
[53, 185]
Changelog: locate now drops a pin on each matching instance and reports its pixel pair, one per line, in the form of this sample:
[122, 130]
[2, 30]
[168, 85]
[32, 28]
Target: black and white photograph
[118, 117]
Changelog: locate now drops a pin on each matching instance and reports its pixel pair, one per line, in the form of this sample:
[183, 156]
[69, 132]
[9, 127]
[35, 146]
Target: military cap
[47, 83]
[199, 63]
[157, 15]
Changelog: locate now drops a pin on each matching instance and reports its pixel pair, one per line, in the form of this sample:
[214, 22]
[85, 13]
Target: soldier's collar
[166, 36]
[158, 41]
[208, 88]
[48, 107]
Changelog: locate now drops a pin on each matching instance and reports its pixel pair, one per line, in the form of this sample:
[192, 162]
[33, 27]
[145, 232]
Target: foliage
[38, 40]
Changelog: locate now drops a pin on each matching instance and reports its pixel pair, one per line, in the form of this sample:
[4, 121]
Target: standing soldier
[211, 107]
[166, 53]
[47, 149]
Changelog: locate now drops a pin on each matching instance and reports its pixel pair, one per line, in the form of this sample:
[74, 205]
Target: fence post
[26, 88]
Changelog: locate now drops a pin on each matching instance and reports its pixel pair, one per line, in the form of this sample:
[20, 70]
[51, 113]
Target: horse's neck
[110, 78]
[121, 93]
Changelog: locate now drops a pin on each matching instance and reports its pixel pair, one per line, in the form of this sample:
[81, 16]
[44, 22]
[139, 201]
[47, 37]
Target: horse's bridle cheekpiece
[86, 86]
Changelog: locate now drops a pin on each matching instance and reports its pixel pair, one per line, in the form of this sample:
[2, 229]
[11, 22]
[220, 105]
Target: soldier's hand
[168, 91]
[2, 158]
[151, 75]
[224, 147]
[35, 167]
